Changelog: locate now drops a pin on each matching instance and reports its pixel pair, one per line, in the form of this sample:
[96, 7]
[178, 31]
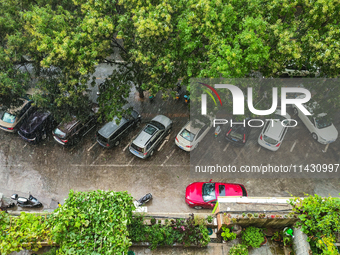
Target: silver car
[272, 134]
[151, 136]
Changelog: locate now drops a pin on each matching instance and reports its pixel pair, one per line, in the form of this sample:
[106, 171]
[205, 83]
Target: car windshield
[150, 129]
[323, 122]
[270, 140]
[208, 192]
[236, 135]
[7, 117]
[59, 133]
[282, 118]
[187, 135]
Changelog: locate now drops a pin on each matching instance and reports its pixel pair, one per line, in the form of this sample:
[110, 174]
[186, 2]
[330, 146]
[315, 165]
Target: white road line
[259, 149]
[226, 147]
[92, 146]
[131, 161]
[25, 145]
[293, 147]
[306, 155]
[326, 148]
[97, 158]
[168, 157]
[117, 165]
[162, 144]
[126, 147]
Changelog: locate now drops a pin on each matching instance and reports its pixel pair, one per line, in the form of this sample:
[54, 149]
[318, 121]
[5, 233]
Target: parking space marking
[92, 146]
[97, 158]
[166, 139]
[117, 165]
[167, 157]
[293, 147]
[126, 147]
[226, 147]
[326, 148]
[259, 149]
[131, 161]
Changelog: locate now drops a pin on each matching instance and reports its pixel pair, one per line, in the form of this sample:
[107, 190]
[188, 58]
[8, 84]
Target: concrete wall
[300, 244]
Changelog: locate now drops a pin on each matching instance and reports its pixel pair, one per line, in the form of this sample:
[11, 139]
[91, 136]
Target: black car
[238, 134]
[36, 127]
[70, 133]
[111, 133]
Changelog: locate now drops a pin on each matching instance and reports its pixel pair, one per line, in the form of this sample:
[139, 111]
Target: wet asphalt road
[49, 170]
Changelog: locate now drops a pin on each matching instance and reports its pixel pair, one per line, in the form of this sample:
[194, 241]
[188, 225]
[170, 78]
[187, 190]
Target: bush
[239, 249]
[184, 231]
[253, 237]
[227, 235]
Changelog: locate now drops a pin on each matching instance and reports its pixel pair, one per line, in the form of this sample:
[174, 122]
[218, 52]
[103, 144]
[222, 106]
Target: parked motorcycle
[30, 202]
[143, 200]
[4, 207]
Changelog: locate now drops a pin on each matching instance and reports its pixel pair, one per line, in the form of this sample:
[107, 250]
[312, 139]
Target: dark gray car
[111, 134]
[151, 136]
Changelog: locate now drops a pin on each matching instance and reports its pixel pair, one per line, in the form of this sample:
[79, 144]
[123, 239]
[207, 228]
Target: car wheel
[315, 137]
[295, 111]
[43, 136]
[198, 207]
[117, 143]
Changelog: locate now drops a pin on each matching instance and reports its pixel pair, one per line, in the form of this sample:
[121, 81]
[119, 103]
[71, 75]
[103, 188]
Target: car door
[212, 203]
[126, 128]
[310, 123]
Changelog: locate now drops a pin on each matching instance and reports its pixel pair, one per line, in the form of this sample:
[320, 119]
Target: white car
[273, 132]
[321, 128]
[191, 134]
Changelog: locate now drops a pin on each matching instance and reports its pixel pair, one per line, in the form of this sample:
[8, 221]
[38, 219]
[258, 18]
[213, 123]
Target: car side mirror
[210, 180]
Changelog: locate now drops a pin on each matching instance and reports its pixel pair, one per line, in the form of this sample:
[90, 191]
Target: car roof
[142, 139]
[274, 131]
[165, 121]
[34, 121]
[194, 126]
[67, 126]
[111, 127]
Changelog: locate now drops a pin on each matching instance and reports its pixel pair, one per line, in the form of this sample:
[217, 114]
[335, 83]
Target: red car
[204, 194]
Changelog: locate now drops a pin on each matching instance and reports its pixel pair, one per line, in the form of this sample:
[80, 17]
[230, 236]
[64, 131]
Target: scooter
[4, 207]
[31, 202]
[142, 201]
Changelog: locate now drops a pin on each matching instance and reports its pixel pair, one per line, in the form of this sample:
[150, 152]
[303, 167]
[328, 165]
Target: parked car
[111, 134]
[71, 132]
[273, 132]
[204, 194]
[320, 126]
[192, 133]
[11, 119]
[238, 134]
[151, 136]
[37, 126]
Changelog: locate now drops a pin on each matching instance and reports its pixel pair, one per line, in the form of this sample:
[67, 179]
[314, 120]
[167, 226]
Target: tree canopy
[151, 44]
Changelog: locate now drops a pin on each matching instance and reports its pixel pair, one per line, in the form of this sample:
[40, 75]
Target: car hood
[194, 192]
[165, 121]
[329, 133]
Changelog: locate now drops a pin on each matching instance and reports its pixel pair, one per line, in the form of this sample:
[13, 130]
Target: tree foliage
[151, 44]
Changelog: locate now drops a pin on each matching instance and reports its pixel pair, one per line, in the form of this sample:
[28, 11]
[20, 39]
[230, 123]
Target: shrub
[253, 237]
[227, 235]
[210, 219]
[239, 249]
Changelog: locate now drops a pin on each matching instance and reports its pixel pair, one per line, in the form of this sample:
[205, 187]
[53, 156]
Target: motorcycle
[178, 89]
[4, 207]
[142, 201]
[187, 98]
[30, 202]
